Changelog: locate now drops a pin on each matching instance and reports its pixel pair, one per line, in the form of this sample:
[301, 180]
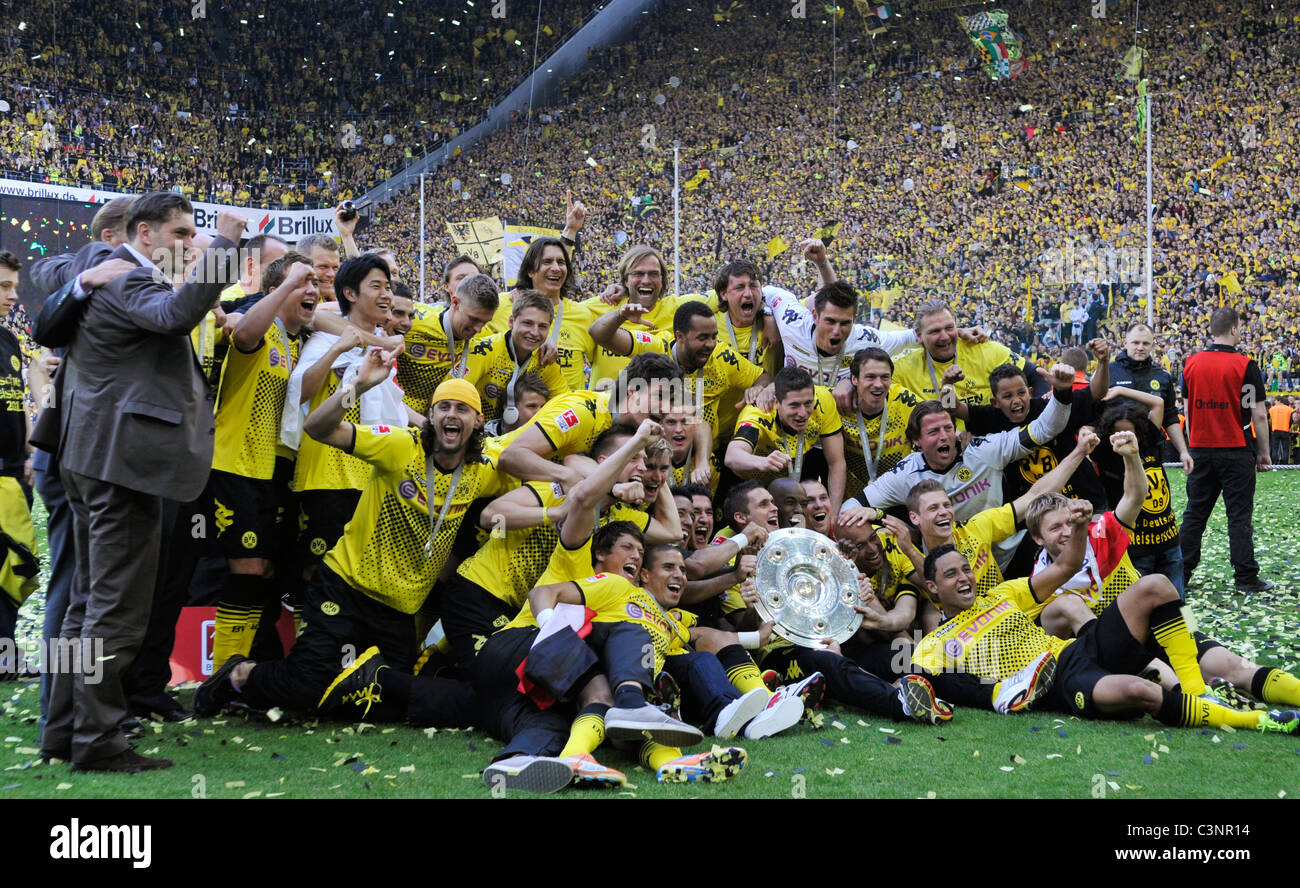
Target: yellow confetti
[977, 753]
[69, 785]
[274, 795]
[235, 784]
[1007, 768]
[1017, 759]
[1163, 748]
[845, 740]
[931, 794]
[1055, 755]
[834, 772]
[252, 795]
[28, 750]
[236, 739]
[410, 769]
[881, 730]
[275, 714]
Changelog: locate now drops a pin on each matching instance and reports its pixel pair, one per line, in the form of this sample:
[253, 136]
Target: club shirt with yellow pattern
[571, 423]
[427, 359]
[615, 599]
[717, 386]
[992, 639]
[320, 466]
[492, 363]
[572, 342]
[250, 401]
[976, 360]
[568, 564]
[895, 448]
[607, 365]
[976, 538]
[382, 550]
[508, 565]
[765, 434]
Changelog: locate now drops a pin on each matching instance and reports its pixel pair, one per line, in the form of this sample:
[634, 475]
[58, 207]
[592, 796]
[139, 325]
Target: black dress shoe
[131, 728]
[1256, 585]
[128, 761]
[63, 755]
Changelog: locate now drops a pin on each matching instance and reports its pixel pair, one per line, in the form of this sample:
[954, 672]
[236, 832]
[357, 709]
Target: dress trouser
[117, 532]
[63, 564]
[1230, 471]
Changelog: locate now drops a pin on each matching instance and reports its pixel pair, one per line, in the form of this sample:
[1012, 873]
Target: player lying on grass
[988, 653]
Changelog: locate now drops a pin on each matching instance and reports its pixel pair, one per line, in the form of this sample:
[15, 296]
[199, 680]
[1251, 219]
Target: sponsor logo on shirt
[492, 390]
[275, 358]
[416, 350]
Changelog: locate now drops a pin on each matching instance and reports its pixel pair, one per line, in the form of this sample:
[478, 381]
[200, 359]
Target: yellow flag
[776, 246]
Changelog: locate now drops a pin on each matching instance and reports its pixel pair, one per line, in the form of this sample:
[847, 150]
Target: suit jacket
[53, 272]
[136, 411]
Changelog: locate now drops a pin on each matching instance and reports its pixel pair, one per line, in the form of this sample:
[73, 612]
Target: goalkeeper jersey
[992, 639]
[382, 552]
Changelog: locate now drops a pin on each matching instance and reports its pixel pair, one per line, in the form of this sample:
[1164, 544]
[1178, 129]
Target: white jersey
[974, 481]
[795, 322]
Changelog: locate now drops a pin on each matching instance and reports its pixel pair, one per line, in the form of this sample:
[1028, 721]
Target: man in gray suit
[137, 427]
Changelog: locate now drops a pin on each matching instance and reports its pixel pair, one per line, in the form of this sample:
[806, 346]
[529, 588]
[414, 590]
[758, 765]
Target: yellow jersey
[572, 343]
[614, 599]
[888, 449]
[250, 401]
[509, 564]
[320, 466]
[975, 539]
[607, 365]
[917, 371]
[765, 434]
[427, 359]
[492, 365]
[992, 639]
[571, 423]
[569, 564]
[716, 387]
[383, 552]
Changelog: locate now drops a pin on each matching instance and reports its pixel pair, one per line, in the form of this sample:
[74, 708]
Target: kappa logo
[329, 608]
[1079, 701]
[566, 420]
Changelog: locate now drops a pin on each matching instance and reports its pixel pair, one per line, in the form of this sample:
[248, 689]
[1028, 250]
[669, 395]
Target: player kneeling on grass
[987, 640]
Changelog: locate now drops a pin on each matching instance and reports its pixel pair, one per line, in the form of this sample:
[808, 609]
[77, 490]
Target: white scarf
[1086, 583]
[381, 405]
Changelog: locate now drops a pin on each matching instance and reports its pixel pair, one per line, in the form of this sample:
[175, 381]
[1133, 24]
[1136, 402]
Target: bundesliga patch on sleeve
[381, 429]
[643, 337]
[566, 420]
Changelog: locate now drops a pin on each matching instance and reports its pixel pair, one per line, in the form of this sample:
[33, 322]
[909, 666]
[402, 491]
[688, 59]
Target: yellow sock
[236, 627]
[655, 755]
[1170, 630]
[1280, 687]
[1197, 713]
[587, 731]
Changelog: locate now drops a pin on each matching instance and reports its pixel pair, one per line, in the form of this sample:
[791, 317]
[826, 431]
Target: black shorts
[1103, 647]
[322, 515]
[243, 513]
[470, 614]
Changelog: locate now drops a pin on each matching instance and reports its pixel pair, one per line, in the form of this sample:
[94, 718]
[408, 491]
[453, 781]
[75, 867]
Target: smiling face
[872, 382]
[938, 335]
[1055, 532]
[935, 516]
[401, 322]
[658, 469]
[645, 282]
[529, 329]
[790, 501]
[702, 510]
[454, 423]
[665, 577]
[817, 507]
[953, 584]
[1013, 398]
[831, 327]
[372, 304]
[794, 410]
[685, 517]
[552, 272]
[298, 311]
[326, 264]
[761, 510]
[861, 545]
[695, 346]
[743, 295]
[623, 558]
[677, 433]
[468, 318]
[938, 440]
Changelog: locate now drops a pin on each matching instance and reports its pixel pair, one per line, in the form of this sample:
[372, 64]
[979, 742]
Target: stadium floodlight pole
[421, 237]
[1147, 277]
[677, 219]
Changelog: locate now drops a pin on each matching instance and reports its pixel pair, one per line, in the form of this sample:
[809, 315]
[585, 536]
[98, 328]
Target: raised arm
[1100, 381]
[1135, 478]
[1055, 480]
[1045, 583]
[252, 327]
[607, 330]
[586, 496]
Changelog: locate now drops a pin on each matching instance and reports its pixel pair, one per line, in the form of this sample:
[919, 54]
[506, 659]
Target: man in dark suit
[136, 427]
[107, 232]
